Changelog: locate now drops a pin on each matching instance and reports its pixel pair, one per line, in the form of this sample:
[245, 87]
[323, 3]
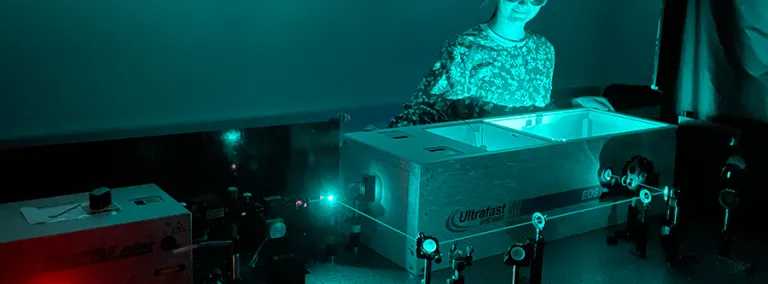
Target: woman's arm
[435, 99]
[550, 65]
[462, 105]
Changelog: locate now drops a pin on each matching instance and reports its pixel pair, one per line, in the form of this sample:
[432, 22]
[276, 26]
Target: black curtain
[714, 59]
[713, 66]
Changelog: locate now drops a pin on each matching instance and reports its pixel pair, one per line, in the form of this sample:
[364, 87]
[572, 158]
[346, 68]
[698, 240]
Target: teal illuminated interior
[542, 128]
[575, 124]
[487, 136]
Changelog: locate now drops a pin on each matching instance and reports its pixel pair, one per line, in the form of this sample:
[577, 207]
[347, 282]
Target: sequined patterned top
[480, 74]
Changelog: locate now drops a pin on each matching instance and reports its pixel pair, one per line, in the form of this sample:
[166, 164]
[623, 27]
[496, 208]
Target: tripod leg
[641, 239]
[627, 233]
[427, 273]
[537, 263]
[724, 248]
[724, 245]
[670, 243]
[516, 278]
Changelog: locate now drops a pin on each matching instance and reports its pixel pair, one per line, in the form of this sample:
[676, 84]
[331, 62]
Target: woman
[495, 68]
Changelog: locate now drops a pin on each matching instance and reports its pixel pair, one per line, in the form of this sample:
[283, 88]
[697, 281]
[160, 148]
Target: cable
[315, 278]
[377, 221]
[548, 218]
[128, 278]
[474, 138]
[202, 245]
[659, 27]
[255, 258]
[482, 134]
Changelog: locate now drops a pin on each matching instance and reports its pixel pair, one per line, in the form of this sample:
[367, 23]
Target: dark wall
[91, 66]
[267, 161]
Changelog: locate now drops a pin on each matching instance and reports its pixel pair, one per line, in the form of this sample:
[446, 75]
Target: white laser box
[458, 179]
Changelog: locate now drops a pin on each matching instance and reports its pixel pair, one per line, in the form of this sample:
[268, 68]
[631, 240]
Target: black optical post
[637, 175]
[460, 260]
[528, 254]
[733, 177]
[670, 235]
[428, 249]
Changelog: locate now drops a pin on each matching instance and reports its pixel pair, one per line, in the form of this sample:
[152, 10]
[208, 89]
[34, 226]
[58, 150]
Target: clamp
[637, 176]
[460, 260]
[670, 239]
[733, 178]
[537, 262]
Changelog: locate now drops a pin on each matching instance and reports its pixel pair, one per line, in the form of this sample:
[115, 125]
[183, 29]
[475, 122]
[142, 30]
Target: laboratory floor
[579, 259]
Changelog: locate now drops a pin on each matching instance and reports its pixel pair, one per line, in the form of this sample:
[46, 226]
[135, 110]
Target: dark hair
[495, 11]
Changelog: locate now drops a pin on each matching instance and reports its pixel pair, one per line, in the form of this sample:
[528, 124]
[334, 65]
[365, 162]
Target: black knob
[100, 199]
[169, 243]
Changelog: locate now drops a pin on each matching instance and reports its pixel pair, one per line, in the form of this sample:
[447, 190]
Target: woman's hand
[598, 103]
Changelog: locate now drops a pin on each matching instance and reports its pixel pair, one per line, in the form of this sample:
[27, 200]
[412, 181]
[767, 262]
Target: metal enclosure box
[56, 240]
[470, 179]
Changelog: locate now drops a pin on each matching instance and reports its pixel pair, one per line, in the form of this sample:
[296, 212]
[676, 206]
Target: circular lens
[277, 230]
[429, 245]
[539, 220]
[607, 174]
[517, 253]
[645, 196]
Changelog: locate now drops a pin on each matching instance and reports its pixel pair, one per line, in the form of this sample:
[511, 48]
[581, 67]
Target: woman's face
[519, 11]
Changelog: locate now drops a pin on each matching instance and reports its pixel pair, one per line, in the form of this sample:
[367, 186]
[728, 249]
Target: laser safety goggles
[537, 3]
